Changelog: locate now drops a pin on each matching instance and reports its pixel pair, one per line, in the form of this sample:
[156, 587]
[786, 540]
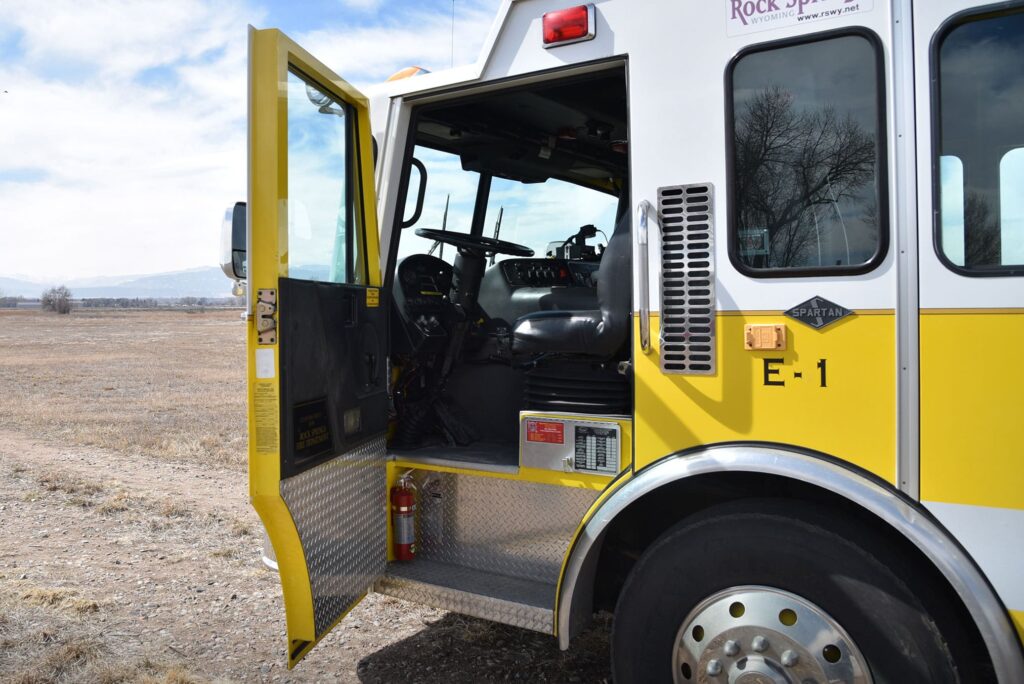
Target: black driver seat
[600, 332]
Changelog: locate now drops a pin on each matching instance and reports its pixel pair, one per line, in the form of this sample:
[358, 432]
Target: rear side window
[980, 145]
[807, 185]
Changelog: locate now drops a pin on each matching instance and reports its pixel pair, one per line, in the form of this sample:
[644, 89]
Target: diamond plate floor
[509, 600]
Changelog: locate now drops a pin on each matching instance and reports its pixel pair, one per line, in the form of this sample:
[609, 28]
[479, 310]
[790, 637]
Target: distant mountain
[16, 287]
[206, 281]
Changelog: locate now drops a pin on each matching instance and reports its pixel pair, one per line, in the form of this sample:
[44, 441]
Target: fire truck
[705, 314]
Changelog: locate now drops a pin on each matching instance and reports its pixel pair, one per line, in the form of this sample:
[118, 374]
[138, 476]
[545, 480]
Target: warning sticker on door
[266, 417]
[372, 297]
[750, 16]
[545, 431]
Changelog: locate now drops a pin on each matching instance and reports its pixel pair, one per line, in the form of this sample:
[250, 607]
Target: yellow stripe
[779, 312]
[978, 311]
[550, 477]
[768, 312]
[853, 417]
[1018, 620]
[972, 375]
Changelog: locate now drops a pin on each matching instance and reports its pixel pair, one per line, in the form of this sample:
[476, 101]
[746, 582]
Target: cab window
[808, 163]
[980, 145]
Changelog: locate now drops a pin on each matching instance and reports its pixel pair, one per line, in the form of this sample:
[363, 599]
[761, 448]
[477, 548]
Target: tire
[854, 576]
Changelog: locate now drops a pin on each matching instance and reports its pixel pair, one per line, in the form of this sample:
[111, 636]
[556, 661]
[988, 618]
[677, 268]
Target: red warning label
[547, 431]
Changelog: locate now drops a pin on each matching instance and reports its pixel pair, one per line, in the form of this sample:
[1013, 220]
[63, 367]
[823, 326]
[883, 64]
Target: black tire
[847, 571]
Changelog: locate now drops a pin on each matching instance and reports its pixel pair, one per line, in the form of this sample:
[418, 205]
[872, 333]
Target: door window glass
[808, 161]
[981, 135]
[952, 173]
[320, 228]
[1011, 207]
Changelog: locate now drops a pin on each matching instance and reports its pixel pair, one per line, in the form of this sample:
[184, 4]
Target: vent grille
[686, 215]
[577, 388]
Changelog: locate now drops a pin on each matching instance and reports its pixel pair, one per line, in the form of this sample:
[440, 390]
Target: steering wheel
[475, 244]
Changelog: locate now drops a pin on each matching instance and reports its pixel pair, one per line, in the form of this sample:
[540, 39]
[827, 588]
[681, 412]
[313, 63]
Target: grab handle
[643, 210]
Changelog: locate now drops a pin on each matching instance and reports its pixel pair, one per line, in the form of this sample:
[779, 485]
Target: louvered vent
[687, 279]
[577, 388]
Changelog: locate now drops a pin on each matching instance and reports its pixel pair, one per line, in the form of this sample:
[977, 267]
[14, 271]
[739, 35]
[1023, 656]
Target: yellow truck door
[316, 336]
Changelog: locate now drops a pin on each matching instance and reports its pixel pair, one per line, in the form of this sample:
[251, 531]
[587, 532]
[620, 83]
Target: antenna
[444, 227]
[497, 228]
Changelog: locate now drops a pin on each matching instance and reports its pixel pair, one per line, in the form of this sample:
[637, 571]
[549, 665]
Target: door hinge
[266, 316]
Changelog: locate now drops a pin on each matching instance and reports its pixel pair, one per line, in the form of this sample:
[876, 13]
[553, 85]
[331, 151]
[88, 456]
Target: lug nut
[759, 643]
[731, 648]
[790, 658]
[714, 668]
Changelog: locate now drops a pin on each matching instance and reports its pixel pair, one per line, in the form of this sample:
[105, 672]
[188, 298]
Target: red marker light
[571, 25]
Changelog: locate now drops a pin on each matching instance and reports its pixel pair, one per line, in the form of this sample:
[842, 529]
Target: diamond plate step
[512, 601]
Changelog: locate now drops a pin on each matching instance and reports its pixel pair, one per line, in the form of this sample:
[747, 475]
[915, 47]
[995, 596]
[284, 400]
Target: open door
[316, 336]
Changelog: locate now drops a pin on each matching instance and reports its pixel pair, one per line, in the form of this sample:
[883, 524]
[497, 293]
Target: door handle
[371, 368]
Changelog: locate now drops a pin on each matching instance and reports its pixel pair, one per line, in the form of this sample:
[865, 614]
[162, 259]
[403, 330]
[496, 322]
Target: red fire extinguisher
[403, 518]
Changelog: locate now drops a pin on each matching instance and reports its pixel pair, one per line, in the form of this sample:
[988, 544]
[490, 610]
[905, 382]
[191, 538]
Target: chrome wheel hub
[760, 635]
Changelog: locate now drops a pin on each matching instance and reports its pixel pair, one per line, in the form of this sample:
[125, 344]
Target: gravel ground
[125, 564]
[150, 571]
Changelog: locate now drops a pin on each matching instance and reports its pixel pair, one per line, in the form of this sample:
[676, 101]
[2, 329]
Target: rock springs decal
[749, 16]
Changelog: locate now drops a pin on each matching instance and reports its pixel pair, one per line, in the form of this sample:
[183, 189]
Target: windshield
[531, 214]
[537, 214]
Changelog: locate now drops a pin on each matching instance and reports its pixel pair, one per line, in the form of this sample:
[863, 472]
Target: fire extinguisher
[403, 518]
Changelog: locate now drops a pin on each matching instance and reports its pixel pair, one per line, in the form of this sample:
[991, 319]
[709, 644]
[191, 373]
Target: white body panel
[942, 287]
[985, 531]
[677, 119]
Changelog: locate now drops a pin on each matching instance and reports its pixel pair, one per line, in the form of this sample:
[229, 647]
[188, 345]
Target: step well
[513, 601]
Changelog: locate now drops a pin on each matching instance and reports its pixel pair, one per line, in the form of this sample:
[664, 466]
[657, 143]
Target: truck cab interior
[510, 272]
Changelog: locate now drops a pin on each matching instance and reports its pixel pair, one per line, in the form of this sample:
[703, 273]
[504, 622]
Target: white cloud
[402, 38]
[125, 172]
[136, 175]
[123, 37]
[362, 5]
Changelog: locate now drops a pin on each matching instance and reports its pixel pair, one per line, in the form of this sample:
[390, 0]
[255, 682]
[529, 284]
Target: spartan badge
[818, 312]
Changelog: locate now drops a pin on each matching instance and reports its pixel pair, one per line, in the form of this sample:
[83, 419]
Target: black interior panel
[333, 370]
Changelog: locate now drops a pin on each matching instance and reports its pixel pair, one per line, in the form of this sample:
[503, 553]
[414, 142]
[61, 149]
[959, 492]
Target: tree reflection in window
[805, 159]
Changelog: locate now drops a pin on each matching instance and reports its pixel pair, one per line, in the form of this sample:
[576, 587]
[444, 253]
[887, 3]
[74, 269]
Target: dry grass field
[128, 550]
[168, 384]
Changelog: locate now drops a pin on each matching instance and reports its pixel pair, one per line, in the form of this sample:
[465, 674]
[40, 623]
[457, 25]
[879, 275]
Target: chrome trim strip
[991, 618]
[904, 207]
[643, 263]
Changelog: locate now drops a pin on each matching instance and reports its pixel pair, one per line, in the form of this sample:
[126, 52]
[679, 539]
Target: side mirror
[232, 242]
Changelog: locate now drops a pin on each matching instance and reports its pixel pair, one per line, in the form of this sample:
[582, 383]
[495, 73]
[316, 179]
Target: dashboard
[510, 289]
[422, 295]
[425, 281]
[548, 273]
[516, 287]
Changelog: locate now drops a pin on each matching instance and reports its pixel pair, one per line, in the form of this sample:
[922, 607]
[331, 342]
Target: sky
[122, 122]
